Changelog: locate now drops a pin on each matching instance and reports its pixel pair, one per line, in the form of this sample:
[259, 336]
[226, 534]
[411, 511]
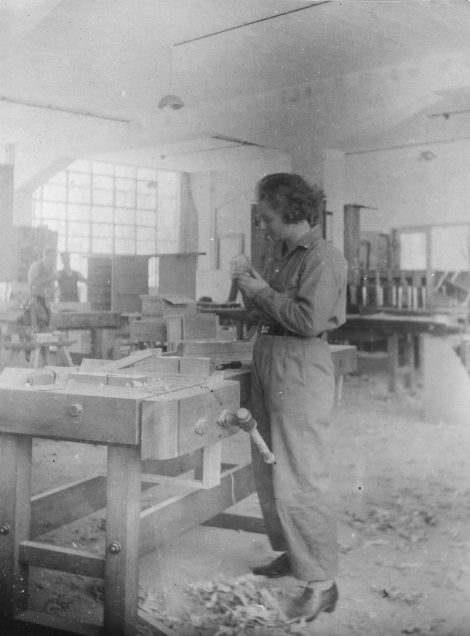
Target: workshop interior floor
[403, 495]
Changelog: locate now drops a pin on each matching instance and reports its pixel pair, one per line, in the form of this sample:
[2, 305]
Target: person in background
[42, 277]
[299, 297]
[68, 280]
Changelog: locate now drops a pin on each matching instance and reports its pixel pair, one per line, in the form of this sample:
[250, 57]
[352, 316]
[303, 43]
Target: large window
[102, 208]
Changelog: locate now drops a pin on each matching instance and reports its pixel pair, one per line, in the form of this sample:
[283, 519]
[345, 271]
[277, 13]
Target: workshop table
[72, 320]
[93, 321]
[396, 330]
[159, 418]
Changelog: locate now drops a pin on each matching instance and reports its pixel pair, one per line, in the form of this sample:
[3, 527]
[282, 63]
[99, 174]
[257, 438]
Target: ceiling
[86, 76]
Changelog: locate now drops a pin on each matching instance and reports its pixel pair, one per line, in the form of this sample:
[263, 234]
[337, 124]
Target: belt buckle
[264, 329]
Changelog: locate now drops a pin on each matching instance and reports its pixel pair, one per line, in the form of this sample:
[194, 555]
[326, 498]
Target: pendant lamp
[170, 101]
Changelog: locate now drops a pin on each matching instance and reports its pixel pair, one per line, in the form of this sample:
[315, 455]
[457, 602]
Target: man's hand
[251, 284]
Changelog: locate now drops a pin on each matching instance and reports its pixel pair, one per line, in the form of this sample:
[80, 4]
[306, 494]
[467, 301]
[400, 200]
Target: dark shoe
[311, 603]
[279, 567]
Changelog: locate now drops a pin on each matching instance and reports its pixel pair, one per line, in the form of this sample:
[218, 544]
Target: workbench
[93, 321]
[399, 331]
[159, 418]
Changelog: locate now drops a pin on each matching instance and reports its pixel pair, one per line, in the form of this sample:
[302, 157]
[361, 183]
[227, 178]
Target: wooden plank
[218, 350]
[160, 428]
[51, 414]
[33, 623]
[122, 533]
[15, 512]
[51, 557]
[55, 508]
[197, 366]
[65, 504]
[128, 361]
[158, 364]
[185, 511]
[392, 349]
[96, 377]
[72, 320]
[173, 467]
[211, 464]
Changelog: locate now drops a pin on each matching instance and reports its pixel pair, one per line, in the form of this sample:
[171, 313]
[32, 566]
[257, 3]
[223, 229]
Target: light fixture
[170, 101]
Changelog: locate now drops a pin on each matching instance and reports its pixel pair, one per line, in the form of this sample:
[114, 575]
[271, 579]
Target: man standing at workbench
[299, 297]
[68, 280]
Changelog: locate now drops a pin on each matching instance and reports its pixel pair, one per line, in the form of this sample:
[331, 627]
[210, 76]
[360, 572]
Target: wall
[224, 202]
[417, 185]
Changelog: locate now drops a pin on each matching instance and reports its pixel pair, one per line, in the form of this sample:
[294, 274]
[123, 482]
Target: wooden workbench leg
[15, 516]
[339, 389]
[96, 341]
[392, 348]
[121, 579]
[410, 381]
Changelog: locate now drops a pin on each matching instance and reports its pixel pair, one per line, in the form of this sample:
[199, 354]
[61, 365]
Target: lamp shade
[170, 102]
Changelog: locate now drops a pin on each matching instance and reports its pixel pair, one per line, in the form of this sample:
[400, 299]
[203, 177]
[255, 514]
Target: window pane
[79, 179]
[56, 226]
[61, 243]
[146, 247]
[166, 234]
[102, 215]
[54, 193]
[125, 185]
[103, 197]
[124, 231]
[102, 181]
[102, 246]
[147, 201]
[54, 210]
[78, 229]
[100, 230]
[146, 234]
[58, 179]
[79, 213]
[126, 217]
[78, 244]
[122, 246]
[146, 218]
[146, 187]
[79, 195]
[125, 199]
[147, 174]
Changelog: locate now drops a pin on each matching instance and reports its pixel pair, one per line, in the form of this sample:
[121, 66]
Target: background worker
[68, 280]
[299, 297]
[42, 277]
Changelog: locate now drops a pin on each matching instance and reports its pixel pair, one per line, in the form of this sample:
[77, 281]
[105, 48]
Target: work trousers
[292, 394]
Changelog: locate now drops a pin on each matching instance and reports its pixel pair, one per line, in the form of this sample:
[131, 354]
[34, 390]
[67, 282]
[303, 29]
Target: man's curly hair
[290, 196]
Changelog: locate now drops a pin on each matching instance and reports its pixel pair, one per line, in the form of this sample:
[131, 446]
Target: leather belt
[277, 330]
